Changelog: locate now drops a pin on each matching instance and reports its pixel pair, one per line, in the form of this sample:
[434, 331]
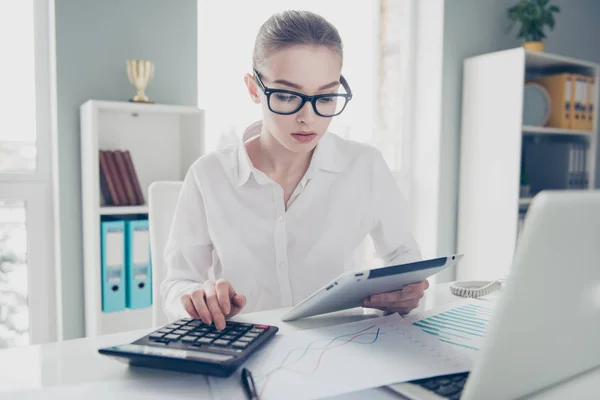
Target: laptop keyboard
[448, 386]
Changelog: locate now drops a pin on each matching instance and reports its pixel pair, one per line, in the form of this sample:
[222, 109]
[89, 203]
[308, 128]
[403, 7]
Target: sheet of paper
[462, 324]
[330, 361]
[171, 387]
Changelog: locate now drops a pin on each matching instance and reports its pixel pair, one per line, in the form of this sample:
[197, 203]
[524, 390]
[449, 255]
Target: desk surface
[77, 361]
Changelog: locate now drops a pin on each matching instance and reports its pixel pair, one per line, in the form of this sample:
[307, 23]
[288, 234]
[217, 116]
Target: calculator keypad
[194, 333]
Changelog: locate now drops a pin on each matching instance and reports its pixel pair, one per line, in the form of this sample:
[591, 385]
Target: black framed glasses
[286, 102]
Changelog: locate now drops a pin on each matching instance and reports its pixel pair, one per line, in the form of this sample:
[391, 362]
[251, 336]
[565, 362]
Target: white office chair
[162, 199]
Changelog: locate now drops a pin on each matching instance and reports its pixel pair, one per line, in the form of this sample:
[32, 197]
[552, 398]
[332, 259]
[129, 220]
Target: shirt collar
[326, 157]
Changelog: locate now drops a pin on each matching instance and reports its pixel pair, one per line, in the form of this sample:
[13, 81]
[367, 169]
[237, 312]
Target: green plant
[533, 15]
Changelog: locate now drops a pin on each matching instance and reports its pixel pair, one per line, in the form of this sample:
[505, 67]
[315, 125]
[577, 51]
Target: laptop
[546, 327]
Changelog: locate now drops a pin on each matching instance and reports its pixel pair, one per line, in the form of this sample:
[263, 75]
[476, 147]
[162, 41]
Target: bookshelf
[164, 140]
[493, 137]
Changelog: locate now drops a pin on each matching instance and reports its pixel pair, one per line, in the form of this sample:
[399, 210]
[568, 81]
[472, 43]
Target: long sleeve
[188, 252]
[392, 239]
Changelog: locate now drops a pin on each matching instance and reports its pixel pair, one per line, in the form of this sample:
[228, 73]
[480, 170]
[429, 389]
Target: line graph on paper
[293, 360]
[333, 360]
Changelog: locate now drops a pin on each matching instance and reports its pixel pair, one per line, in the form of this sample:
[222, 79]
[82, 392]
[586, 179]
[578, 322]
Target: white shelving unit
[164, 141]
[492, 135]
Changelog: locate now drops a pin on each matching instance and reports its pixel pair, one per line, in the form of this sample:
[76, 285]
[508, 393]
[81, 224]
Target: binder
[561, 88]
[138, 265]
[579, 170]
[583, 167]
[113, 265]
[582, 108]
[571, 169]
[591, 102]
[586, 177]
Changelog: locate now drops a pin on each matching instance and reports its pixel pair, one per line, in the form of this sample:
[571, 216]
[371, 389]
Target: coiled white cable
[475, 289]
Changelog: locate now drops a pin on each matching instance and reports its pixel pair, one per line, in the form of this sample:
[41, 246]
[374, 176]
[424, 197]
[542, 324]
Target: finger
[382, 299]
[392, 300]
[426, 284]
[200, 305]
[223, 289]
[238, 302]
[213, 305]
[404, 305]
[413, 287]
[188, 306]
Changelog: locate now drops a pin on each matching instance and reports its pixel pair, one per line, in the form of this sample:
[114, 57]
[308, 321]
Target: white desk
[77, 361]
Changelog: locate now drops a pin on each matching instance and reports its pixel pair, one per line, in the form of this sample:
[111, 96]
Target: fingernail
[408, 289]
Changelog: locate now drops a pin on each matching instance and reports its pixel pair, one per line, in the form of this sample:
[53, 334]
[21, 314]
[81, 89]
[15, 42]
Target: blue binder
[138, 265]
[113, 265]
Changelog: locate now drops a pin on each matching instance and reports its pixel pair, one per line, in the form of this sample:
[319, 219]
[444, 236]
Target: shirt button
[280, 218]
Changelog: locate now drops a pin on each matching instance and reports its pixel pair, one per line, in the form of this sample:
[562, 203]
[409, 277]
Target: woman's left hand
[400, 301]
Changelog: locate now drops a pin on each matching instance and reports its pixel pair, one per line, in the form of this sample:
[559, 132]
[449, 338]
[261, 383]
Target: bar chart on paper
[462, 324]
[330, 361]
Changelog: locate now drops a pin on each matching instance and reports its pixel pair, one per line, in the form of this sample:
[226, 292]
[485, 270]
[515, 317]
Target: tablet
[349, 289]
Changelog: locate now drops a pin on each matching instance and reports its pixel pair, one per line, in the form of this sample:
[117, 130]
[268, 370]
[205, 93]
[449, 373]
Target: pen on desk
[248, 383]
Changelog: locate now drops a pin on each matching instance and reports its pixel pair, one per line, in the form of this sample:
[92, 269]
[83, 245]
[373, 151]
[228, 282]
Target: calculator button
[195, 323]
[179, 332]
[245, 339]
[258, 331]
[262, 327]
[237, 332]
[186, 328]
[156, 335]
[172, 337]
[164, 330]
[240, 345]
[221, 342]
[243, 325]
[172, 326]
[228, 337]
[212, 335]
[186, 319]
[205, 340]
[189, 339]
[196, 334]
[251, 334]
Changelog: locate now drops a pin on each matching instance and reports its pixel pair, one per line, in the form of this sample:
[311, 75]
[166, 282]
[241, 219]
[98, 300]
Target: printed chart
[462, 324]
[344, 358]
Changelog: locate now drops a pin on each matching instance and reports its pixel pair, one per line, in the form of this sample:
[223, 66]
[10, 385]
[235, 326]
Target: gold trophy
[140, 73]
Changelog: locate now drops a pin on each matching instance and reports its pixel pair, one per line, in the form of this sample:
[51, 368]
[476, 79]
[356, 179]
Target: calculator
[189, 345]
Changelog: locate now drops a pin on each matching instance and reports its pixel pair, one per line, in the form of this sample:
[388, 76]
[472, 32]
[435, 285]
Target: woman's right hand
[216, 301]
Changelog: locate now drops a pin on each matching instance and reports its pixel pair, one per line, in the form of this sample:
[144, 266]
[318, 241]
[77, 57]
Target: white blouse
[231, 223]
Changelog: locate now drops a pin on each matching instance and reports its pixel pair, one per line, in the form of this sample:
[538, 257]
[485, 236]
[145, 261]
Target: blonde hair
[290, 28]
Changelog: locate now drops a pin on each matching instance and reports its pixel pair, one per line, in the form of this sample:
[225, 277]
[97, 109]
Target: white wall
[474, 27]
[93, 40]
[471, 27]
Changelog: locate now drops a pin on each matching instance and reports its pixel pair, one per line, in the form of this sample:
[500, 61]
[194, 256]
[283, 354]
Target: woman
[265, 223]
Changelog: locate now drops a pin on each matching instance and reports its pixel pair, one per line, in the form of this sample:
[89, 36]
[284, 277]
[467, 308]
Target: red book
[134, 178]
[125, 178]
[114, 173]
[106, 181]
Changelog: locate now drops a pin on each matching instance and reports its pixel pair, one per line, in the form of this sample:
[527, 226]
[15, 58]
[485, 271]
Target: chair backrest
[162, 199]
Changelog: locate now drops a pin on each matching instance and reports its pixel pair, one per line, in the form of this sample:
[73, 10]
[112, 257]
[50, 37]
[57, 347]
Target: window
[27, 285]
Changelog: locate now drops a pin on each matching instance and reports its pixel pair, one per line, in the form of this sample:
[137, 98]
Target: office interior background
[405, 60]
